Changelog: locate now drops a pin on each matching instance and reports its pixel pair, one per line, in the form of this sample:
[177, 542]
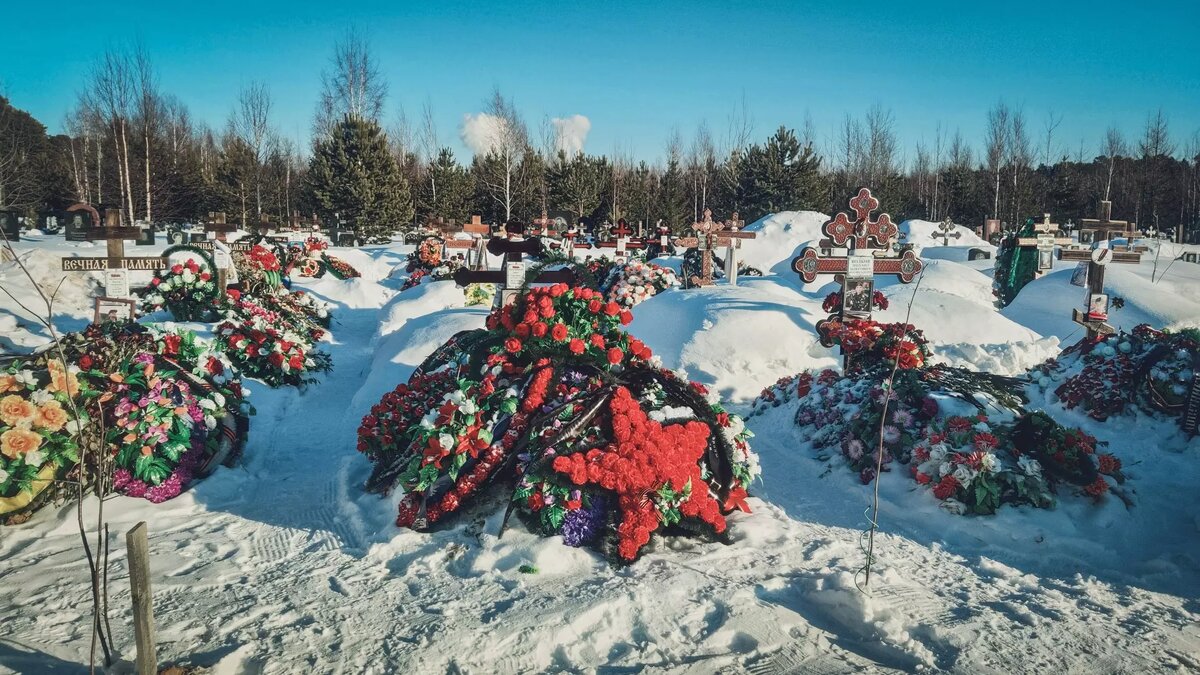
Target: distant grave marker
[513, 246]
[1048, 236]
[116, 265]
[709, 235]
[476, 253]
[622, 240]
[1095, 315]
[10, 225]
[946, 231]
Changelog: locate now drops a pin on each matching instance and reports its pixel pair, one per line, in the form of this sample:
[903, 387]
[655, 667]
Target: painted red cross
[621, 230]
[862, 231]
[809, 264]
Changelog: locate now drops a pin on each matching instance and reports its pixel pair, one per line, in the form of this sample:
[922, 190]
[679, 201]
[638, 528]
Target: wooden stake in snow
[143, 599]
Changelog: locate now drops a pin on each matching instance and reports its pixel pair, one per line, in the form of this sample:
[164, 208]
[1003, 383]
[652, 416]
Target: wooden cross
[1103, 228]
[1095, 319]
[479, 232]
[734, 239]
[664, 239]
[569, 237]
[705, 239]
[1047, 238]
[862, 232]
[513, 247]
[621, 240]
[115, 264]
[216, 224]
[543, 224]
[946, 231]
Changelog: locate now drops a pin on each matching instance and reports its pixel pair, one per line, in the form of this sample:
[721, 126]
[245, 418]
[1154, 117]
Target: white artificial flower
[40, 397]
[219, 398]
[3, 476]
[208, 404]
[34, 458]
[428, 420]
[965, 474]
[467, 407]
[1030, 466]
[26, 378]
[187, 276]
[446, 441]
[210, 422]
[990, 463]
[937, 453]
[73, 426]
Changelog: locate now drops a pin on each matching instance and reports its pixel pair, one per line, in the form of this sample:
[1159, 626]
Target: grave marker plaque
[10, 225]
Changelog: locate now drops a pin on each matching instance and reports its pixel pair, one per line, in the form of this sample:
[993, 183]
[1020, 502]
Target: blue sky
[637, 70]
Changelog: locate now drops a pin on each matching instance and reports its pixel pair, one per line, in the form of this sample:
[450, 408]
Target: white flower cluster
[636, 281]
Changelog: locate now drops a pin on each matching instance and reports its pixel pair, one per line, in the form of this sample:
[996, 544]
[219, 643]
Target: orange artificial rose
[60, 380]
[52, 416]
[15, 410]
[9, 383]
[15, 443]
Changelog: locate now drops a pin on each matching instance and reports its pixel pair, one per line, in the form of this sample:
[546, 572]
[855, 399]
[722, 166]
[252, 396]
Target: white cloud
[481, 133]
[570, 133]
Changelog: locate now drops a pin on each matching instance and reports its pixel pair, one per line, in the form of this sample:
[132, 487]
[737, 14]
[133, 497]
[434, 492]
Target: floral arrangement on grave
[965, 435]
[1015, 266]
[259, 270]
[636, 281]
[427, 262]
[185, 289]
[39, 432]
[693, 266]
[1146, 369]
[272, 338]
[312, 259]
[604, 447]
[173, 405]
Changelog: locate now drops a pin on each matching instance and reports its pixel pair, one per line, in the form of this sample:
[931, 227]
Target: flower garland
[1148, 368]
[555, 379]
[636, 281]
[38, 438]
[184, 289]
[870, 345]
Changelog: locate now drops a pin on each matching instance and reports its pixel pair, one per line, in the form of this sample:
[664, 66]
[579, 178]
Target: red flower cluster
[946, 487]
[263, 258]
[645, 457]
[833, 301]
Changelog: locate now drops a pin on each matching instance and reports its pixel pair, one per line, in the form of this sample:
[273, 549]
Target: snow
[284, 564]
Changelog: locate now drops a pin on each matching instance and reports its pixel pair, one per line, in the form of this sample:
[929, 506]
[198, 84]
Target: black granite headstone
[10, 226]
[978, 254]
[78, 224]
[147, 237]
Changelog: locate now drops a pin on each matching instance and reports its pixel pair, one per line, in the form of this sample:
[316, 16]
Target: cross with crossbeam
[476, 255]
[621, 239]
[115, 265]
[514, 246]
[1047, 238]
[709, 235]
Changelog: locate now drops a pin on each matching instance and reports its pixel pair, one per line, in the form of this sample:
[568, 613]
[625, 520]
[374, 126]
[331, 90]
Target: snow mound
[780, 237]
[923, 234]
[737, 339]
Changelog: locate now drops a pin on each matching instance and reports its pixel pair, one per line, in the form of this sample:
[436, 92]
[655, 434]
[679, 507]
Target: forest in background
[130, 143]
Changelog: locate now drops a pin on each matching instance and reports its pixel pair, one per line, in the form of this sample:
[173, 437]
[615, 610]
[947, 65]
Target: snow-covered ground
[283, 564]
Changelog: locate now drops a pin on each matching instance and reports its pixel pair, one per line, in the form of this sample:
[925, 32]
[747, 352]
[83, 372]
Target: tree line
[130, 143]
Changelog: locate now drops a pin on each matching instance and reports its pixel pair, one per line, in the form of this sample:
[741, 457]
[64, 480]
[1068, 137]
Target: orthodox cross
[862, 232]
[513, 276]
[115, 265]
[706, 238]
[479, 232]
[542, 225]
[1047, 238]
[621, 240]
[860, 263]
[946, 231]
[1095, 317]
[734, 239]
[569, 237]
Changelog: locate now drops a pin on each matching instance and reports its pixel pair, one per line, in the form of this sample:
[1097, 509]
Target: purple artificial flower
[583, 526]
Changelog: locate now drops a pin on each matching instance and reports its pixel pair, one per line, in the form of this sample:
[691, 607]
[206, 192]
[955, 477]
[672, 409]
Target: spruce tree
[672, 203]
[446, 190]
[353, 174]
[781, 175]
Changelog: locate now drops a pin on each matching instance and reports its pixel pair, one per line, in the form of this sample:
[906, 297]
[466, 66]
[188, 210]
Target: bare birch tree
[353, 86]
[251, 122]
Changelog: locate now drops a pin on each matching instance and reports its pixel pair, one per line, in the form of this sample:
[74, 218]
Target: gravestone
[177, 237]
[978, 254]
[621, 240]
[10, 225]
[146, 238]
[474, 248]
[77, 226]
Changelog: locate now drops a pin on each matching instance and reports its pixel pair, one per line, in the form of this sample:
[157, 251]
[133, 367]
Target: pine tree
[781, 175]
[671, 203]
[446, 190]
[353, 174]
[578, 184]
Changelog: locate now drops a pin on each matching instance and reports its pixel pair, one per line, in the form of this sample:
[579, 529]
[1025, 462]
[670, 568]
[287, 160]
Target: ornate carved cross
[946, 230]
[862, 232]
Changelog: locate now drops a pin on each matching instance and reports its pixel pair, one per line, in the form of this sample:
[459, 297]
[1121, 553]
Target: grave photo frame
[856, 300]
[1097, 307]
[1045, 259]
[108, 310]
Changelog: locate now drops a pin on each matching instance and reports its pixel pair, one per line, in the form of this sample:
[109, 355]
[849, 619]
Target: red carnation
[594, 306]
[1108, 463]
[85, 362]
[522, 330]
[597, 340]
[615, 355]
[539, 329]
[612, 309]
[512, 345]
[577, 346]
[234, 293]
[296, 362]
[275, 359]
[945, 487]
[626, 317]
[559, 332]
[557, 290]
